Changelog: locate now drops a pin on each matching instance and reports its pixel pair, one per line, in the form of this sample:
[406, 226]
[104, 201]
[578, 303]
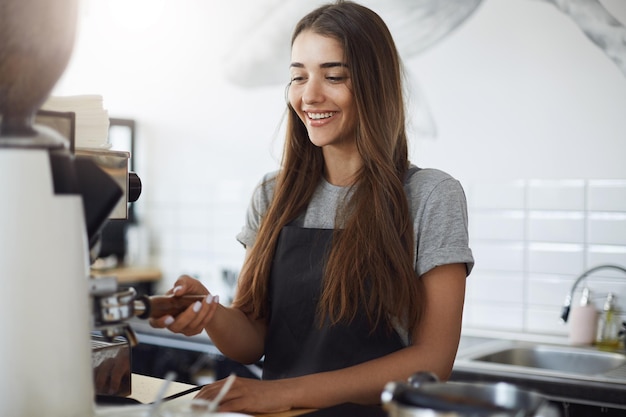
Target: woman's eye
[297, 79]
[336, 79]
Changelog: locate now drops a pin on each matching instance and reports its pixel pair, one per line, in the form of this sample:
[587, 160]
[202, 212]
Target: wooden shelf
[130, 274]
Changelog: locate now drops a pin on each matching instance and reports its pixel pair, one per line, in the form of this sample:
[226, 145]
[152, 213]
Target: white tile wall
[556, 195]
[509, 318]
[548, 290]
[510, 286]
[555, 258]
[600, 255]
[607, 195]
[544, 320]
[532, 239]
[498, 225]
[499, 256]
[607, 228]
[566, 227]
[494, 195]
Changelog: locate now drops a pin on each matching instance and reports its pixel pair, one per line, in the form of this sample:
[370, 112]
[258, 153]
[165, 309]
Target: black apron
[295, 343]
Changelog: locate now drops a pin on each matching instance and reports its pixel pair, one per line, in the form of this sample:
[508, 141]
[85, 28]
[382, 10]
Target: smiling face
[321, 90]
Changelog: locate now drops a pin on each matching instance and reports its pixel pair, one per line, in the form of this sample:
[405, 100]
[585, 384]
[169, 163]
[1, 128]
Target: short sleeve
[259, 203]
[441, 222]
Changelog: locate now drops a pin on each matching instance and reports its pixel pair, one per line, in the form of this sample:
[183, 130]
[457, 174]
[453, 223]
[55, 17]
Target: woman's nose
[312, 92]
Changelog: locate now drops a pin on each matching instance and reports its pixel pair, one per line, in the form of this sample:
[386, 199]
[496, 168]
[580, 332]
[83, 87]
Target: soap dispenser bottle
[608, 325]
[583, 321]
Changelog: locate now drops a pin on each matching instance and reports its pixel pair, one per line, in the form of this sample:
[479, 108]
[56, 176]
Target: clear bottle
[583, 321]
[608, 325]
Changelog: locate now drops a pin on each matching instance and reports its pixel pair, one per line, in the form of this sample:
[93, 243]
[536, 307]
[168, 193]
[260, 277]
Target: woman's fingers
[195, 318]
[187, 285]
[161, 322]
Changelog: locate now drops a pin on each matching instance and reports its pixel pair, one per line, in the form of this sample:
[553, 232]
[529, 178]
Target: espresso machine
[111, 306]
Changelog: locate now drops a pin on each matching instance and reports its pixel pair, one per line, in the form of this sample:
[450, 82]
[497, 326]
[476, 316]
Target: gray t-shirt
[436, 201]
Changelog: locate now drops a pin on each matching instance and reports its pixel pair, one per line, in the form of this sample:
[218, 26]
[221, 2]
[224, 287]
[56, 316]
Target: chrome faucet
[568, 300]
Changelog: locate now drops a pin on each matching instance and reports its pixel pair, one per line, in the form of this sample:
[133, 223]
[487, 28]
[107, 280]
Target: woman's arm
[433, 349]
[235, 334]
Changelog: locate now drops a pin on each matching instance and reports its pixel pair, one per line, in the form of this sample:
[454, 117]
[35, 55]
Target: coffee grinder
[51, 207]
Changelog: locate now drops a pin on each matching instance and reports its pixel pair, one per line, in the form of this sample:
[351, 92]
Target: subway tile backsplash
[531, 239]
[607, 228]
[497, 196]
[556, 195]
[535, 242]
[558, 226]
[498, 225]
[555, 258]
[607, 195]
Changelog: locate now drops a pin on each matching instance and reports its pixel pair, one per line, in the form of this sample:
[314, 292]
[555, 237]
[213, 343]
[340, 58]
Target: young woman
[356, 260]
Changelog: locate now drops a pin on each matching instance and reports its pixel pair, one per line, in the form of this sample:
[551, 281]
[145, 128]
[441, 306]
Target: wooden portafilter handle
[164, 305]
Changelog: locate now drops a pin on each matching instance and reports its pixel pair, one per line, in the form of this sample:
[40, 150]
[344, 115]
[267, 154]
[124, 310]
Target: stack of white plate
[92, 120]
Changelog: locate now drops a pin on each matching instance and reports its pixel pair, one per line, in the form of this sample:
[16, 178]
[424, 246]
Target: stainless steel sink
[583, 375]
[565, 359]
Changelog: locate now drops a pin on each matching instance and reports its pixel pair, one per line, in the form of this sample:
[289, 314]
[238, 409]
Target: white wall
[520, 92]
[517, 94]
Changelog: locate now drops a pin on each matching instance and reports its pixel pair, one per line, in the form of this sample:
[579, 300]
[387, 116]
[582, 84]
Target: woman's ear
[287, 94]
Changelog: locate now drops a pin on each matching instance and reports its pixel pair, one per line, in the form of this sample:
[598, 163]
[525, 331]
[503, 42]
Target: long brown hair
[370, 265]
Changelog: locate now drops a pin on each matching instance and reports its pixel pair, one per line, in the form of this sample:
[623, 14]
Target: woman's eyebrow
[324, 65]
[333, 64]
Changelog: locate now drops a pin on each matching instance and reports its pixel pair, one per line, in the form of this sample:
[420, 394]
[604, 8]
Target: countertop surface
[145, 390]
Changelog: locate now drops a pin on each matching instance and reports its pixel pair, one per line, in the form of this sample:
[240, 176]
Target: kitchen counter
[145, 389]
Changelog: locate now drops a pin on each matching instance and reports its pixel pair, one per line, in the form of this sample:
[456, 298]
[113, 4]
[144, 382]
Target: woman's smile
[319, 119]
[320, 116]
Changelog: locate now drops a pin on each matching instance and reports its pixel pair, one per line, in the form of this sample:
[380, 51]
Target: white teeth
[319, 116]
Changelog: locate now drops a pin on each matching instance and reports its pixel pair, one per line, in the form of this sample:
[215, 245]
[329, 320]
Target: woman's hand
[195, 318]
[187, 285]
[250, 395]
